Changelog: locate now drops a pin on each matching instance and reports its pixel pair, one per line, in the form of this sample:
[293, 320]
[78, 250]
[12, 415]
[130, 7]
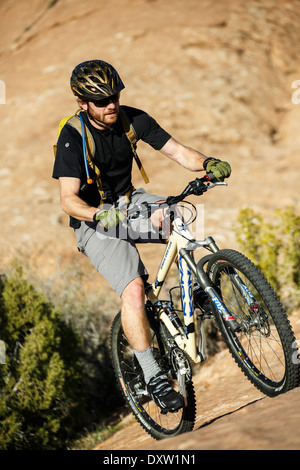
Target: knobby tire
[264, 348]
[131, 383]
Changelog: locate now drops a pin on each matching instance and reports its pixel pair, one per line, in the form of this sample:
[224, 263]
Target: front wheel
[131, 382]
[263, 345]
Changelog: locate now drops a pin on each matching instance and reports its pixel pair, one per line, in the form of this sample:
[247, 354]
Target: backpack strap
[89, 147]
[131, 136]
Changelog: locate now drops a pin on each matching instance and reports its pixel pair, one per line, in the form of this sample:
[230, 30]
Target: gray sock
[147, 363]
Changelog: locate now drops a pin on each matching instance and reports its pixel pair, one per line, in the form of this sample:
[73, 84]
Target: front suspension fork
[208, 287]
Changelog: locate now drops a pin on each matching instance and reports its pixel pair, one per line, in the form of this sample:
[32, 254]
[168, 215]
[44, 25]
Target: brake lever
[217, 183]
[196, 187]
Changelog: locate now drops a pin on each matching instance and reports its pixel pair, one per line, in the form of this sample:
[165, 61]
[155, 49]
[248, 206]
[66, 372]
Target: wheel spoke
[145, 410]
[261, 345]
[266, 357]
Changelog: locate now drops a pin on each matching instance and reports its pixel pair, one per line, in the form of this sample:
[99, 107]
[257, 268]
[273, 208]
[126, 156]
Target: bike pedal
[164, 412]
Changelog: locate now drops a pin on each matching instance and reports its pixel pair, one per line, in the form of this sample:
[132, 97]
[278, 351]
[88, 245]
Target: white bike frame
[180, 238]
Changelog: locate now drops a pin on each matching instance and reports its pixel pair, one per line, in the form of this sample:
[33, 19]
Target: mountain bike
[223, 285]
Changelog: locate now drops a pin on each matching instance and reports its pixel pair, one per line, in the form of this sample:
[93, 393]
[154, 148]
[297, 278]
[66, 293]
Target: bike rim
[258, 345]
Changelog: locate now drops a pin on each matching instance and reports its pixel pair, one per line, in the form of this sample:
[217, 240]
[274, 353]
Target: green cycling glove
[109, 218]
[219, 169]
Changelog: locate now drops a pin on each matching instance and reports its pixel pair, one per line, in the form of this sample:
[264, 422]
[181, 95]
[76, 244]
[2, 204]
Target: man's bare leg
[134, 320]
[136, 326]
[137, 330]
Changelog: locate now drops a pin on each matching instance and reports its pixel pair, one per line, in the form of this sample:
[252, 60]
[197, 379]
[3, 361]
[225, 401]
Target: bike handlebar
[196, 187]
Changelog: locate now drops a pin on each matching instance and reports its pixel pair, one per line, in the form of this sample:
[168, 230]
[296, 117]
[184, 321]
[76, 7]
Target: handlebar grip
[212, 178]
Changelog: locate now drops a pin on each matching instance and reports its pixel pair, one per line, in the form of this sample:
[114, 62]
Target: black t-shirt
[113, 155]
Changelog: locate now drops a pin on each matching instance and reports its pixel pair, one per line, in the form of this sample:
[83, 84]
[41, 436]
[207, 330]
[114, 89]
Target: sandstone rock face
[220, 76]
[231, 414]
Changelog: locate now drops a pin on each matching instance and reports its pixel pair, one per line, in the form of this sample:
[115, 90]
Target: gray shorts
[114, 253]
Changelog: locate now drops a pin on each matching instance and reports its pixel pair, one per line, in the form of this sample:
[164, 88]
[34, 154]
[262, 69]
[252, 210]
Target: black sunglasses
[105, 101]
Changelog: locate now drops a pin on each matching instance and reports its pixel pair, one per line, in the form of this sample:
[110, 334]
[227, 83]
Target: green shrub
[40, 382]
[274, 248]
[75, 293]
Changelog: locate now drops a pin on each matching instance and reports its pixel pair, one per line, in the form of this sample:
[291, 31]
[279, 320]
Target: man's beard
[107, 120]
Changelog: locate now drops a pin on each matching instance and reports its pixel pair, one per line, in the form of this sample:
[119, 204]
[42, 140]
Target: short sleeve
[147, 128]
[69, 158]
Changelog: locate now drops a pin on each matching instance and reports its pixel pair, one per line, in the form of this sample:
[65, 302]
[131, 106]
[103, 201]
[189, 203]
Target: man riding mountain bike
[95, 209]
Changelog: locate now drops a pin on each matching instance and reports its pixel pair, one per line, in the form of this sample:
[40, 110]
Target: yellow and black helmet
[94, 80]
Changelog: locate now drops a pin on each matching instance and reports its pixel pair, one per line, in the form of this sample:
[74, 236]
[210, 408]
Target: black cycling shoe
[163, 394]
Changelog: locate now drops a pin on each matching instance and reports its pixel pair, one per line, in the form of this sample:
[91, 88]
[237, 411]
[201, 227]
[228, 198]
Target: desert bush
[40, 397]
[89, 312]
[275, 248]
[57, 383]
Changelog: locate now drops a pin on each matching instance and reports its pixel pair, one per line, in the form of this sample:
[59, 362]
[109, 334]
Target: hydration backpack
[89, 148]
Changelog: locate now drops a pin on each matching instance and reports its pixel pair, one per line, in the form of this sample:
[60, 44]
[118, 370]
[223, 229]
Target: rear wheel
[264, 345]
[131, 382]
